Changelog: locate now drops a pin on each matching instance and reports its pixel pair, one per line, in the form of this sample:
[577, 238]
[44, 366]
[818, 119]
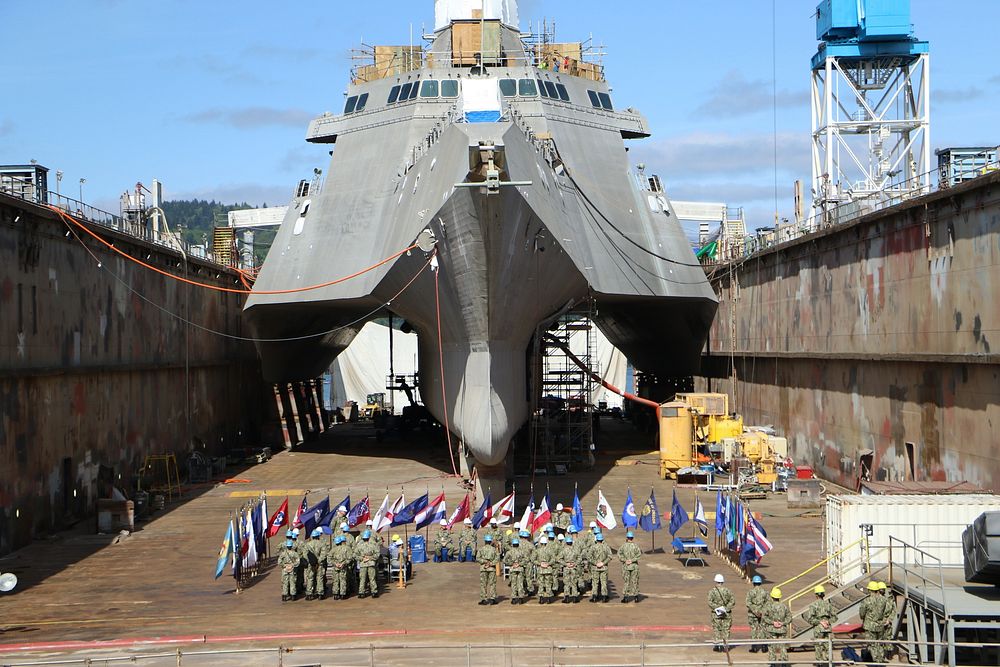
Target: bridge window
[429, 88]
[449, 88]
[508, 87]
[541, 88]
[595, 101]
[606, 102]
[526, 88]
[563, 93]
[414, 90]
[393, 95]
[352, 103]
[550, 88]
[404, 94]
[362, 102]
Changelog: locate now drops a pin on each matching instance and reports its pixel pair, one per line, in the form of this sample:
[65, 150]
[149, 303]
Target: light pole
[59, 176]
[82, 181]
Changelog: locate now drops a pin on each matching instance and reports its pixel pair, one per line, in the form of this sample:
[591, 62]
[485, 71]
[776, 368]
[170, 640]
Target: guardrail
[551, 654]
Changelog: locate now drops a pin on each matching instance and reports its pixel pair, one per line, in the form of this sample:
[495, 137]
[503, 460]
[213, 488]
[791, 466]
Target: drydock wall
[880, 335]
[93, 378]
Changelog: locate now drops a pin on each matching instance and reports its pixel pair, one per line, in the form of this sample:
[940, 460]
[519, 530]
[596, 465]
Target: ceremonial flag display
[297, 521]
[345, 503]
[483, 514]
[432, 513]
[359, 514]
[678, 517]
[225, 552]
[503, 511]
[312, 515]
[756, 537]
[720, 514]
[605, 515]
[650, 519]
[527, 521]
[250, 556]
[461, 513]
[577, 520]
[543, 516]
[699, 517]
[629, 519]
[409, 513]
[383, 517]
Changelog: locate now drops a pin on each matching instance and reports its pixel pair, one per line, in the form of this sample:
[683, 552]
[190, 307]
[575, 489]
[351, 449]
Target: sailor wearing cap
[366, 553]
[442, 542]
[756, 601]
[468, 540]
[721, 602]
[821, 615]
[629, 555]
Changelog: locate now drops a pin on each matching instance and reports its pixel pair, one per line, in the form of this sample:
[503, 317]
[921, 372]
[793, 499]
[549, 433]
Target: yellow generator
[677, 447]
[759, 450]
[692, 420]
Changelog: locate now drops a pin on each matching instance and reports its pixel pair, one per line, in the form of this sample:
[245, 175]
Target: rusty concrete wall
[879, 334]
[96, 370]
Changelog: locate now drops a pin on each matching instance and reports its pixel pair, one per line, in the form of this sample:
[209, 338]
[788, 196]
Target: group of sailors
[770, 619]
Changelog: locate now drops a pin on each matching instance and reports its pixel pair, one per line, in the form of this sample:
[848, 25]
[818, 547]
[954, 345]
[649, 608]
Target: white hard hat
[593, 524]
[369, 522]
[719, 579]
[560, 537]
[344, 525]
[443, 522]
[559, 507]
[493, 520]
[544, 540]
[342, 509]
[468, 522]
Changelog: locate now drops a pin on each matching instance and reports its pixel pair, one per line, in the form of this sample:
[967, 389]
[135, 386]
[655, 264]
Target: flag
[432, 513]
[577, 520]
[757, 538]
[678, 517]
[527, 521]
[732, 509]
[311, 515]
[650, 519]
[265, 530]
[699, 517]
[720, 514]
[629, 519]
[359, 514]
[741, 524]
[225, 551]
[483, 514]
[605, 515]
[279, 519]
[237, 547]
[503, 511]
[259, 529]
[297, 521]
[382, 518]
[461, 513]
[250, 558]
[543, 516]
[409, 513]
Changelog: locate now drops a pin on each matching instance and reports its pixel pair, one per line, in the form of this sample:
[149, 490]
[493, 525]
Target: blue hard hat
[599, 537]
[513, 542]
[295, 532]
[339, 539]
[756, 580]
[572, 529]
[552, 534]
[488, 538]
[289, 533]
[289, 543]
[629, 535]
[569, 540]
[316, 532]
[524, 533]
[365, 535]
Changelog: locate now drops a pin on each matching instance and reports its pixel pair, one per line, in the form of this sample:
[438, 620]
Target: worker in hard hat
[756, 601]
[778, 621]
[316, 557]
[546, 557]
[629, 555]
[721, 602]
[288, 561]
[488, 558]
[497, 532]
[366, 554]
[340, 560]
[599, 556]
[569, 560]
[339, 522]
[888, 617]
[561, 519]
[442, 542]
[822, 616]
[872, 612]
[468, 541]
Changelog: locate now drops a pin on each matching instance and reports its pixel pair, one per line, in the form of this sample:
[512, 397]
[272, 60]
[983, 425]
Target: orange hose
[229, 290]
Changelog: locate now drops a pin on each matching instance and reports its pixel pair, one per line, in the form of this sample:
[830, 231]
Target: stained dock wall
[882, 334]
[97, 371]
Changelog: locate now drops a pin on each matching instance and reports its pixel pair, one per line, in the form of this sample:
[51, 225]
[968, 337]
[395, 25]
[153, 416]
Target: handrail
[828, 578]
[821, 563]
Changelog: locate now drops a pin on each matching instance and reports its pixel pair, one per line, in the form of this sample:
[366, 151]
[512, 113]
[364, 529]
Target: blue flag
[312, 516]
[225, 552]
[629, 519]
[650, 519]
[409, 513]
[577, 520]
[748, 554]
[482, 517]
[720, 514]
[678, 517]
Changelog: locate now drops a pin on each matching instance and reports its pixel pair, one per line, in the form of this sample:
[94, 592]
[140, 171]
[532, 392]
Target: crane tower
[870, 108]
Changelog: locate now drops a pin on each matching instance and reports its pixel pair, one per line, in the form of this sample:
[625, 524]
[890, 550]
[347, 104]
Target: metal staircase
[845, 601]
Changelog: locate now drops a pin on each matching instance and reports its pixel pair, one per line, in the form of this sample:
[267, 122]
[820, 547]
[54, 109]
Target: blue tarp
[482, 117]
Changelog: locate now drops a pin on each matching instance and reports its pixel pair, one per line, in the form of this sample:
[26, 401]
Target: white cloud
[735, 95]
[948, 95]
[692, 157]
[253, 117]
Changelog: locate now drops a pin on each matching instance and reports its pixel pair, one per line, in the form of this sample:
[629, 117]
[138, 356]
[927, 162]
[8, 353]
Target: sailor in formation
[778, 621]
[756, 601]
[721, 602]
[821, 616]
[488, 558]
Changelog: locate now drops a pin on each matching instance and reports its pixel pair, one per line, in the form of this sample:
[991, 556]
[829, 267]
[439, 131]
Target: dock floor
[158, 582]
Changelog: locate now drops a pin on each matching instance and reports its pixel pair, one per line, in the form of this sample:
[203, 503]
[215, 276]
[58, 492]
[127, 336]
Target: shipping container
[929, 522]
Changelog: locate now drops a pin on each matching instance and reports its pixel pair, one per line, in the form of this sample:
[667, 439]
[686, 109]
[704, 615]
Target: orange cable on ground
[230, 290]
[444, 397]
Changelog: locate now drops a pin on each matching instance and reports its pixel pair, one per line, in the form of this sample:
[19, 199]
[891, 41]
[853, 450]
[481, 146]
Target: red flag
[297, 521]
[542, 516]
[461, 514]
[279, 519]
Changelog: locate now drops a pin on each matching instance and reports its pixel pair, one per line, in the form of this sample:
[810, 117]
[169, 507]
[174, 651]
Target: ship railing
[544, 146]
[422, 148]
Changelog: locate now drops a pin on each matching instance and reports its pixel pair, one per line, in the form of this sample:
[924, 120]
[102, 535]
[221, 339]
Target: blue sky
[213, 98]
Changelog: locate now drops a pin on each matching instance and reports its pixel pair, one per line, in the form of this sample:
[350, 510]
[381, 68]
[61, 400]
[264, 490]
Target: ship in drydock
[503, 155]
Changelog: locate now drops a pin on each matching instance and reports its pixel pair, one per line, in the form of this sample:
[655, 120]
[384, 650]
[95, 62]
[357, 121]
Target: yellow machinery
[757, 448]
[692, 420]
[374, 406]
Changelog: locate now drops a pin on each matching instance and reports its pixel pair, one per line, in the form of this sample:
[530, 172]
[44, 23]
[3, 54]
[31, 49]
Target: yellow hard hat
[882, 586]
[509, 532]
[873, 585]
[819, 590]
[395, 537]
[776, 593]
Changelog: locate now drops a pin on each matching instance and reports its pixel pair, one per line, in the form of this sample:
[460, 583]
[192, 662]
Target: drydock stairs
[845, 601]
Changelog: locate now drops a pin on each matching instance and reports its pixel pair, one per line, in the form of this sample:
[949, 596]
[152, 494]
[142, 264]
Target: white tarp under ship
[510, 151]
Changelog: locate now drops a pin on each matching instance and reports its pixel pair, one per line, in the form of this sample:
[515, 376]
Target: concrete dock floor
[158, 582]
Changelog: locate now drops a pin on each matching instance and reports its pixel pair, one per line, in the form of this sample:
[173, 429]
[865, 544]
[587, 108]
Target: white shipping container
[931, 523]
